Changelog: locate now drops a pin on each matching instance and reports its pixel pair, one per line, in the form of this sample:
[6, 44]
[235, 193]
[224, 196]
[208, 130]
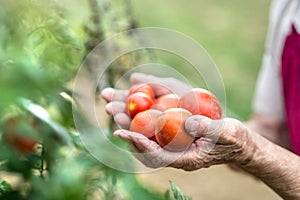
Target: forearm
[273, 129]
[274, 165]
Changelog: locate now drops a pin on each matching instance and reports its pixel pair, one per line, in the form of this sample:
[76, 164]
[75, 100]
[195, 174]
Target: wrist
[255, 153]
[247, 150]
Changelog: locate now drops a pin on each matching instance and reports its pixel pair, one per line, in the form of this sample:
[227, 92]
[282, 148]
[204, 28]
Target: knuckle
[233, 125]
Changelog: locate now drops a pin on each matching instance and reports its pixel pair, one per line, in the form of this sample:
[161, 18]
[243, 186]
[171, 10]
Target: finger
[201, 126]
[158, 85]
[142, 143]
[137, 78]
[110, 94]
[115, 107]
[161, 86]
[122, 120]
[148, 151]
[135, 148]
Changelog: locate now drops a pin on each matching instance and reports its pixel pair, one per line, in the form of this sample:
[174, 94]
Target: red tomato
[22, 143]
[144, 88]
[138, 102]
[201, 102]
[166, 101]
[170, 132]
[144, 123]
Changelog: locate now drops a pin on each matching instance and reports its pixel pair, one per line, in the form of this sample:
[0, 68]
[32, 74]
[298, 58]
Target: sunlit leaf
[43, 115]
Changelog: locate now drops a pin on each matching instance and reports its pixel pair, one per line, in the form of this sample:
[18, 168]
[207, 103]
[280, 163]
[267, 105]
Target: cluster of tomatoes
[162, 119]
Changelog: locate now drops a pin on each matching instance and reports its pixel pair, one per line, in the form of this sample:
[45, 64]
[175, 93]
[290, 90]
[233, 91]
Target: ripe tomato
[201, 102]
[166, 101]
[24, 144]
[144, 123]
[170, 132]
[138, 102]
[144, 88]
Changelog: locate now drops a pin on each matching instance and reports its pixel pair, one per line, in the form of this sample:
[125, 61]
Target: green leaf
[168, 195]
[4, 187]
[43, 115]
[177, 193]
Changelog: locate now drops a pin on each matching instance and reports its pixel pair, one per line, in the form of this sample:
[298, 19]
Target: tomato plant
[45, 43]
[14, 137]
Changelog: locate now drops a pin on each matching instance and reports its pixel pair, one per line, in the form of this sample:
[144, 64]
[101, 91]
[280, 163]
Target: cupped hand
[117, 98]
[219, 142]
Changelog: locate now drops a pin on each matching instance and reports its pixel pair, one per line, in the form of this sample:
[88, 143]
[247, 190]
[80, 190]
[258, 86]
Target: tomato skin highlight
[170, 132]
[166, 102]
[144, 88]
[138, 102]
[144, 123]
[201, 102]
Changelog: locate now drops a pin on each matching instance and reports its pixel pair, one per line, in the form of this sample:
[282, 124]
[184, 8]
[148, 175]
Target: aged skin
[276, 166]
[220, 141]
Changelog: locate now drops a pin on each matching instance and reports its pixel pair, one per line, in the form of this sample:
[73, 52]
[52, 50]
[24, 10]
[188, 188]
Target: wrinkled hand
[219, 141]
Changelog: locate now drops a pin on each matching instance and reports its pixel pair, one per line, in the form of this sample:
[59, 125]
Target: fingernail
[117, 133]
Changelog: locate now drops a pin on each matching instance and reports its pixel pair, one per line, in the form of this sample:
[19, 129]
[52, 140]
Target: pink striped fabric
[291, 86]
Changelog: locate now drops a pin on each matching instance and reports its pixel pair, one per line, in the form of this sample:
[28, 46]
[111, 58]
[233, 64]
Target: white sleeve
[268, 98]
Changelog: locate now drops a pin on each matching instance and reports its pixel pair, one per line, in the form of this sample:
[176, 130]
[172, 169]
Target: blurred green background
[42, 52]
[233, 32]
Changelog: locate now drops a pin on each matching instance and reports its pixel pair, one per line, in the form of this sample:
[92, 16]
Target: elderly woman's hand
[219, 141]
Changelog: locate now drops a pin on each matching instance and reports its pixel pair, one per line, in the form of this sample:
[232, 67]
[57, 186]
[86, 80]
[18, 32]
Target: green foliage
[39, 54]
[4, 187]
[175, 193]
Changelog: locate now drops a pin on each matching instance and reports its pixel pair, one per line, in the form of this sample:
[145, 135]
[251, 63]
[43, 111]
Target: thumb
[198, 125]
[201, 126]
